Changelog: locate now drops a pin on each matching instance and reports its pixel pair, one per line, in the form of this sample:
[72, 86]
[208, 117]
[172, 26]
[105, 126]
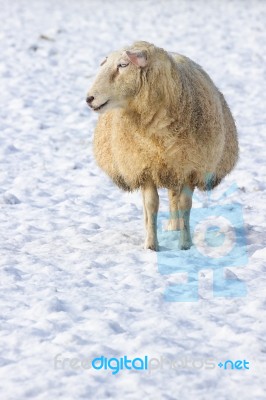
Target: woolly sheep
[163, 124]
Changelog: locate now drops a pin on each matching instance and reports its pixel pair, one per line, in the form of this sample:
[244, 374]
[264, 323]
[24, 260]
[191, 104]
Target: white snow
[75, 280]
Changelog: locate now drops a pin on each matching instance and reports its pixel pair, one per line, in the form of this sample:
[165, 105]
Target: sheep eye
[122, 65]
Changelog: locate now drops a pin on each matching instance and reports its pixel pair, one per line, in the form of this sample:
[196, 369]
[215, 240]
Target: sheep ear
[138, 58]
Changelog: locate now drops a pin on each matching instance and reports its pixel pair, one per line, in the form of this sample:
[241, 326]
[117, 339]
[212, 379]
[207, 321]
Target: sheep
[162, 124]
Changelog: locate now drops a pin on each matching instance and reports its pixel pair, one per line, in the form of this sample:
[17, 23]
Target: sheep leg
[144, 210]
[173, 222]
[185, 204]
[151, 206]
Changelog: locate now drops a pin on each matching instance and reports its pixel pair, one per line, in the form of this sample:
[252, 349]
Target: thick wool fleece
[176, 130]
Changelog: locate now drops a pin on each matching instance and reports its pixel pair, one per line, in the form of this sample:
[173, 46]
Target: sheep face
[117, 81]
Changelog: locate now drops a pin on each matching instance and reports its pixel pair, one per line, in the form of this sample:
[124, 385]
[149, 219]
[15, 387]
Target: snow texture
[75, 279]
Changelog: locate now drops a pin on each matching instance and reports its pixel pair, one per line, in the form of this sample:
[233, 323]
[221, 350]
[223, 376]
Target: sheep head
[119, 79]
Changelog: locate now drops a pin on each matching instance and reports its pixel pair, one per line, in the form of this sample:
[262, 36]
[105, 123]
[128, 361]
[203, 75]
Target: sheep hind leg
[150, 206]
[185, 204]
[173, 223]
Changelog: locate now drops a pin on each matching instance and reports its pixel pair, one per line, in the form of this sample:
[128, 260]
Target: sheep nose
[89, 99]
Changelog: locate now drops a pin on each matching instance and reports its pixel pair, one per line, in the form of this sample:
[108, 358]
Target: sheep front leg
[144, 210]
[150, 206]
[185, 204]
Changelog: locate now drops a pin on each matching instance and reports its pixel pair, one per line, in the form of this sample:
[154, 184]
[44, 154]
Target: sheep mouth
[101, 106]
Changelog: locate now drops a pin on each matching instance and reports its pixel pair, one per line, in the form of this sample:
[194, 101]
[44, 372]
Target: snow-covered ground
[75, 281]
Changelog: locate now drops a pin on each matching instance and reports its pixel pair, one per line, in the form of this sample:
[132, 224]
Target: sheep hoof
[151, 245]
[173, 225]
[185, 246]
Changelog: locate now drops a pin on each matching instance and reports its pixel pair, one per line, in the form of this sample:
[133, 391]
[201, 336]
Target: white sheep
[163, 123]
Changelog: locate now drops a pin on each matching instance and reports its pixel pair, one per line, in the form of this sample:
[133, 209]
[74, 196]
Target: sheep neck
[159, 96]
